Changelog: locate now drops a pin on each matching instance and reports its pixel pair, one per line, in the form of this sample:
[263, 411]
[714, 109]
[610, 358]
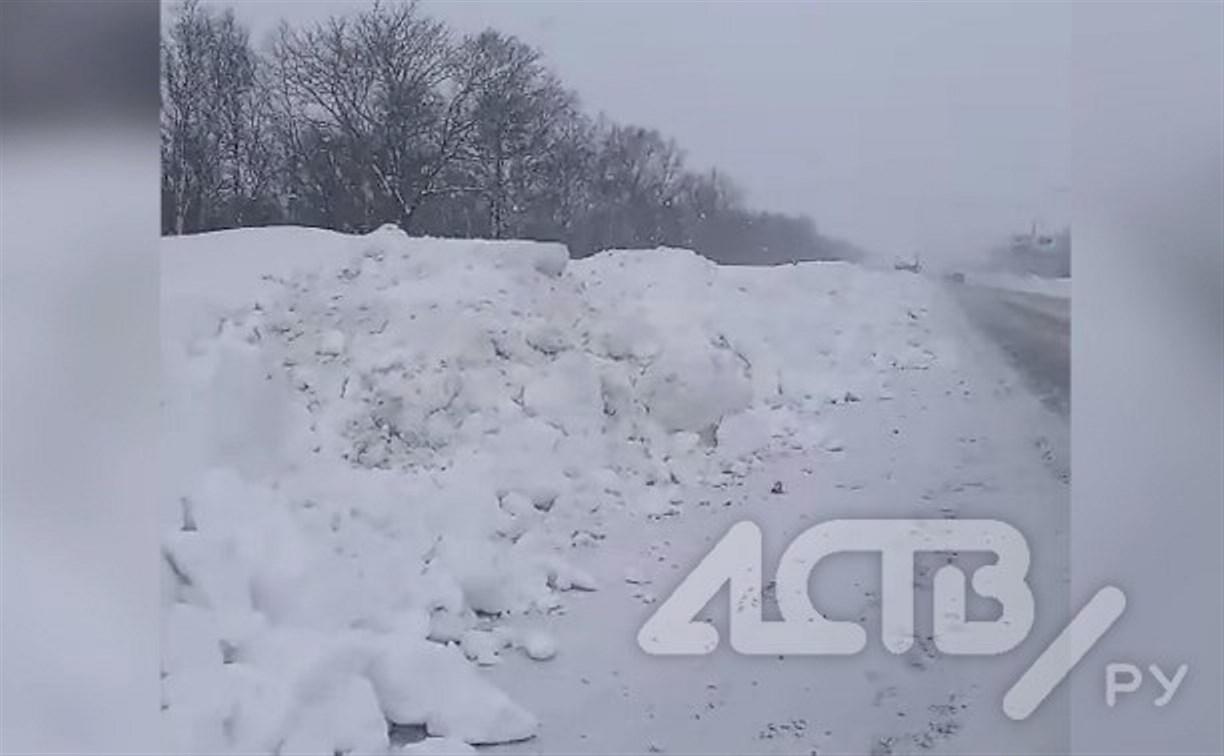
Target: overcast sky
[933, 126]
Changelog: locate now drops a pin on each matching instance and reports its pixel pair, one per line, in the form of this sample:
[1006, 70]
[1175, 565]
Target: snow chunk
[744, 433]
[456, 702]
[344, 719]
[567, 394]
[538, 645]
[692, 390]
[481, 646]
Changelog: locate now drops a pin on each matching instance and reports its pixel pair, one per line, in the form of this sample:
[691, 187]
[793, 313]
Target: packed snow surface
[390, 460]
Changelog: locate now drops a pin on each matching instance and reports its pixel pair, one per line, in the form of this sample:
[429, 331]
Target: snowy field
[421, 495]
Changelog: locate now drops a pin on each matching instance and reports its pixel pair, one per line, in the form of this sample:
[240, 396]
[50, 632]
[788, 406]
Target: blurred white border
[1147, 350]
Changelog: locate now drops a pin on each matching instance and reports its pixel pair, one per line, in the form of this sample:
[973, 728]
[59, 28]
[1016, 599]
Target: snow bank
[381, 448]
[1050, 287]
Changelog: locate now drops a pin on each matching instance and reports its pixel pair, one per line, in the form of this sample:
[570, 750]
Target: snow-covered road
[440, 485]
[1034, 330]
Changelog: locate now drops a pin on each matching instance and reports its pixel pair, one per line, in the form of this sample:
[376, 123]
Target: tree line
[387, 115]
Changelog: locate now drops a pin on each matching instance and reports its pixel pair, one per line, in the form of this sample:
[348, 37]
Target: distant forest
[388, 116]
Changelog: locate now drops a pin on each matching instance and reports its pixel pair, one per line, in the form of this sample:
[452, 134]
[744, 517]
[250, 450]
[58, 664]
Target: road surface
[1034, 330]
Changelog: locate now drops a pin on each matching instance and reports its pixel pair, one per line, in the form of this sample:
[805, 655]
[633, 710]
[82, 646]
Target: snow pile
[383, 448]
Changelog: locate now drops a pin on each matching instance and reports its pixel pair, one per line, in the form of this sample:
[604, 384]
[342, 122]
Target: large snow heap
[381, 447]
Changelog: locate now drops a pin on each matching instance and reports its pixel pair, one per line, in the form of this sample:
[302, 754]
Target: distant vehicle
[913, 266]
[956, 277]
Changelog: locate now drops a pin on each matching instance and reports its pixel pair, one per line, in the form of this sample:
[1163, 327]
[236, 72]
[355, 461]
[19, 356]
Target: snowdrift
[380, 448]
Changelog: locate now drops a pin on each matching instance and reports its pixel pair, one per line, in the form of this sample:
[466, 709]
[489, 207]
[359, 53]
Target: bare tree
[189, 169]
[637, 176]
[564, 192]
[385, 93]
[515, 108]
[216, 153]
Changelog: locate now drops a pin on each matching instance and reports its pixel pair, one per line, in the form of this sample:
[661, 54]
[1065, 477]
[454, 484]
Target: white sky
[932, 126]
